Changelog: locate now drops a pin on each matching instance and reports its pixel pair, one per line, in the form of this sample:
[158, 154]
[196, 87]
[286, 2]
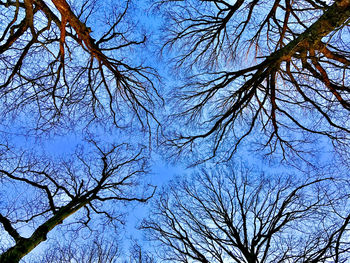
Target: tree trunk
[25, 245]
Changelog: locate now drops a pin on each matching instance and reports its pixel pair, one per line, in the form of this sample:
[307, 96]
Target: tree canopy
[231, 77]
[278, 69]
[72, 60]
[233, 214]
[69, 68]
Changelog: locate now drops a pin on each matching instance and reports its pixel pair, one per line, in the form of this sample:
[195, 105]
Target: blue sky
[61, 142]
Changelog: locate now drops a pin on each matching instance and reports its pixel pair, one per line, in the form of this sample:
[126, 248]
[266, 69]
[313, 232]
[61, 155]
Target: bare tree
[279, 69]
[72, 60]
[99, 251]
[232, 215]
[87, 190]
[68, 65]
[140, 255]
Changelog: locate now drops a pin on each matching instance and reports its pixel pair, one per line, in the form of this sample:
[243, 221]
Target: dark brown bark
[26, 245]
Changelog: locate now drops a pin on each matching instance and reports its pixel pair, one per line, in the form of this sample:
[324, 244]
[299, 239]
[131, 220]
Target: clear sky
[61, 139]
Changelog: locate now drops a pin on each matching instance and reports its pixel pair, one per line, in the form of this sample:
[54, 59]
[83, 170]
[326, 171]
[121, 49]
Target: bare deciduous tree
[42, 194]
[274, 68]
[233, 216]
[98, 251]
[64, 63]
[58, 67]
[140, 255]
